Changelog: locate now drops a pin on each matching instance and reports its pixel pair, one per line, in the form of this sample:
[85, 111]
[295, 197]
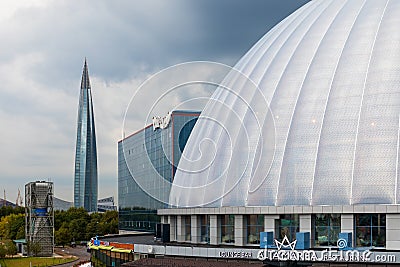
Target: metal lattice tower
[39, 216]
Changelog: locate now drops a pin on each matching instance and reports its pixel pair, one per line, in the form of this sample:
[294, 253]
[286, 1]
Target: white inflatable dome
[321, 128]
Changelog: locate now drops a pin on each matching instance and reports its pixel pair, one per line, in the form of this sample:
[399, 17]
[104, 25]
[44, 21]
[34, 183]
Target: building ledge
[342, 209]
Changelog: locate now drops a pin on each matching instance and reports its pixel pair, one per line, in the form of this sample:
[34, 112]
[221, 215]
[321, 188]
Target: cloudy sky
[42, 49]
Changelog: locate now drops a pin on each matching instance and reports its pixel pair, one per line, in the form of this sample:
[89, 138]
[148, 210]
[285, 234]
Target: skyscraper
[85, 182]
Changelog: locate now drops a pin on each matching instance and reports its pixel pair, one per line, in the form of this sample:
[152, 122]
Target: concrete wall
[215, 233]
[195, 229]
[240, 230]
[393, 231]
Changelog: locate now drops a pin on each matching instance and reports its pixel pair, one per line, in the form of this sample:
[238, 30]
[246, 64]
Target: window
[187, 221]
[326, 229]
[288, 225]
[205, 228]
[370, 230]
[255, 225]
[227, 228]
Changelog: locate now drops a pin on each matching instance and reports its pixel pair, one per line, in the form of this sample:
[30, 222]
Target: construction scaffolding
[39, 218]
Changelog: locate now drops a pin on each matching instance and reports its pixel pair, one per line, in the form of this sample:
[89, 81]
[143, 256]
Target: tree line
[76, 224]
[73, 225]
[12, 223]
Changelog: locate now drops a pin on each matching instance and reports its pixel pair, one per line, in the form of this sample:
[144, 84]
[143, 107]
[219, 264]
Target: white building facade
[306, 139]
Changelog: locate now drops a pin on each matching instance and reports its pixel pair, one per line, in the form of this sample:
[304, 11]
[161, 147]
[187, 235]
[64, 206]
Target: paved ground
[78, 251]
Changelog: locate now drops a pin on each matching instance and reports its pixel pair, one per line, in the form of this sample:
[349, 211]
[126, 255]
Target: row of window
[369, 229]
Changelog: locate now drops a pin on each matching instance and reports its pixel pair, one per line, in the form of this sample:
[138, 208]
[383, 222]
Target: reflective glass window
[326, 229]
[227, 224]
[187, 221]
[287, 225]
[205, 228]
[255, 225]
[370, 230]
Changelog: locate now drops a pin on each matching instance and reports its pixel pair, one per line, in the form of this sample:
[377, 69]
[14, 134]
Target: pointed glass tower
[85, 182]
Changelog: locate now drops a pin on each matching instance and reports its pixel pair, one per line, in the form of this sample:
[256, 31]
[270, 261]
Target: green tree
[108, 223]
[77, 228]
[10, 225]
[17, 224]
[33, 248]
[21, 232]
[7, 210]
[63, 235]
[91, 229]
[76, 224]
[76, 213]
[11, 248]
[3, 250]
[59, 218]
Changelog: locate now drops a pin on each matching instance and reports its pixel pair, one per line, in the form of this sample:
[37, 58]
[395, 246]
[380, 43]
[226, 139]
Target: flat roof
[136, 238]
[174, 112]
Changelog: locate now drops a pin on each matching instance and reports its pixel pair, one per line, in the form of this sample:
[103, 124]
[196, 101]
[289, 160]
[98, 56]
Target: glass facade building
[85, 180]
[147, 162]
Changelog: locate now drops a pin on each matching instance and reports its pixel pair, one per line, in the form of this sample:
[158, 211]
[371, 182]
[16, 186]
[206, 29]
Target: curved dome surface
[329, 76]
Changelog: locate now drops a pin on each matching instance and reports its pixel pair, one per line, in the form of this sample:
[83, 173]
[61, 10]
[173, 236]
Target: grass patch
[35, 261]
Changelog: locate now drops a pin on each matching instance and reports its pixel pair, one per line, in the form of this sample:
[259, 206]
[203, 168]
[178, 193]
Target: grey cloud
[41, 59]
[121, 38]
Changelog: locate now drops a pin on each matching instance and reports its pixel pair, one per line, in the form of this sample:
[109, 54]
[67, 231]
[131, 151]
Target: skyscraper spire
[85, 83]
[85, 180]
